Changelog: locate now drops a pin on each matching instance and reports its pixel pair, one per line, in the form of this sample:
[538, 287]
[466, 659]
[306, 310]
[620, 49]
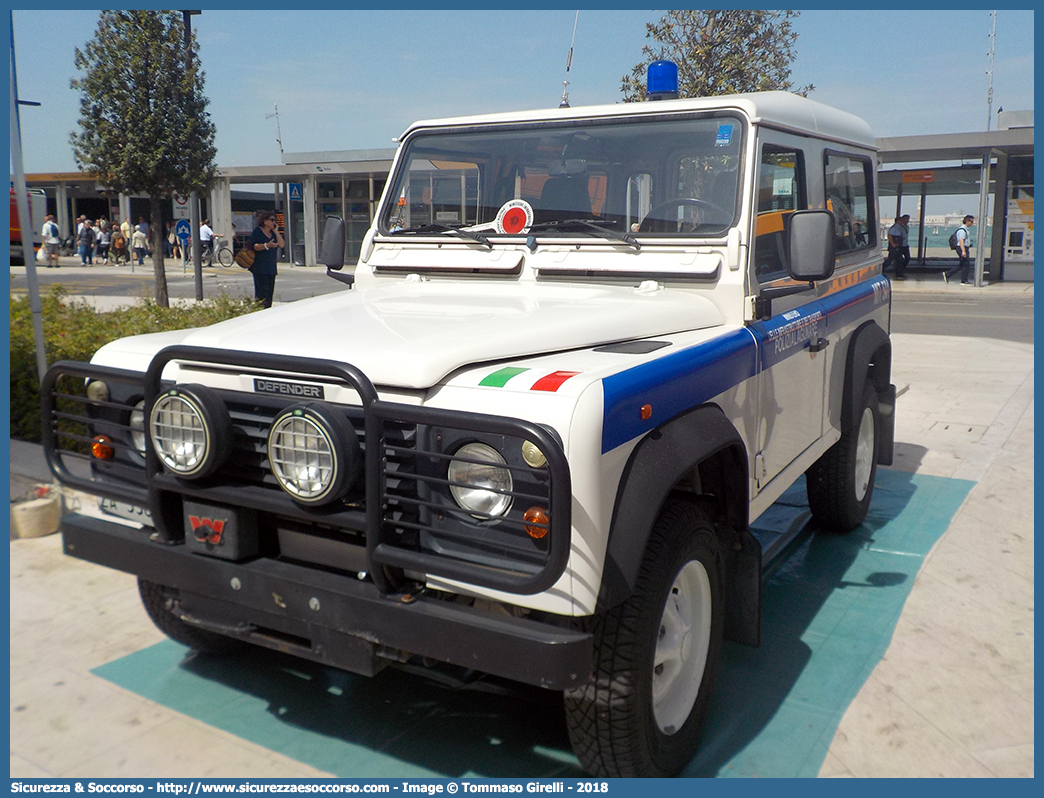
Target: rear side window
[849, 184]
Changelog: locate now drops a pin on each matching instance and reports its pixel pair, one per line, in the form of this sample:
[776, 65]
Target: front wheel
[841, 482]
[224, 256]
[157, 600]
[655, 657]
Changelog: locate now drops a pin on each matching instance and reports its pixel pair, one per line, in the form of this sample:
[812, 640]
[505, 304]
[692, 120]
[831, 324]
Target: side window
[848, 182]
[781, 191]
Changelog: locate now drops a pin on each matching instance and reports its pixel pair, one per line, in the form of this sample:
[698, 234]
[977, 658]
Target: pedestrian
[125, 228]
[266, 241]
[175, 251]
[899, 245]
[118, 247]
[964, 243]
[104, 241]
[206, 237]
[85, 243]
[860, 234]
[140, 244]
[49, 234]
[168, 242]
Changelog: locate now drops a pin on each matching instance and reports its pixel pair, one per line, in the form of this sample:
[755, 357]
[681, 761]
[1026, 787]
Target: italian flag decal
[545, 382]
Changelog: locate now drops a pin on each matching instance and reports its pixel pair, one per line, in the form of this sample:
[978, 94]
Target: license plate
[131, 512]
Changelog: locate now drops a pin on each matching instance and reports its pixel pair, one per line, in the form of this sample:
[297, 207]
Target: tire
[655, 657]
[841, 482]
[156, 600]
[224, 256]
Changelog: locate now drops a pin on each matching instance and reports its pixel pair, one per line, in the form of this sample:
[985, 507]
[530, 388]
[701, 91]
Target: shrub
[75, 331]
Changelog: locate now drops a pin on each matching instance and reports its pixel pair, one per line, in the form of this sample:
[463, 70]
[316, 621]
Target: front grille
[398, 514]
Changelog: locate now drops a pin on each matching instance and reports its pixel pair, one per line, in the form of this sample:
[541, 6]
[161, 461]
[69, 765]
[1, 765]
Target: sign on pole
[181, 206]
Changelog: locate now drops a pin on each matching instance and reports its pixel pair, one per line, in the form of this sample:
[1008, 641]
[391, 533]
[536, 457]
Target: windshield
[665, 177]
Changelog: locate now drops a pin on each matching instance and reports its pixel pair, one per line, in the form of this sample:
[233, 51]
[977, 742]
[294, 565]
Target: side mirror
[810, 245]
[332, 255]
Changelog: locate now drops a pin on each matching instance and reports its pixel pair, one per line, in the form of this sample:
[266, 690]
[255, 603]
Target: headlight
[190, 430]
[476, 486]
[314, 453]
[137, 426]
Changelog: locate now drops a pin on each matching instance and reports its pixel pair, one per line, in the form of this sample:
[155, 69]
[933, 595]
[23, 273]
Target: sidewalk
[953, 695]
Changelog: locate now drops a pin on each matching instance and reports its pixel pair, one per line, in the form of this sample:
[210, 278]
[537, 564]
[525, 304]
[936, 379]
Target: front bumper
[331, 618]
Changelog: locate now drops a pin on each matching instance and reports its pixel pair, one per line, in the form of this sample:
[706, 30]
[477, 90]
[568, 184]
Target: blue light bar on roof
[662, 81]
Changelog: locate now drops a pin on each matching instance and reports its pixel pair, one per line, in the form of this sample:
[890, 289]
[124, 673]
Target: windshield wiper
[443, 228]
[605, 232]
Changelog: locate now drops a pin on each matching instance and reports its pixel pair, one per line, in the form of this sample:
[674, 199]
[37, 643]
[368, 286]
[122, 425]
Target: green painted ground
[828, 617]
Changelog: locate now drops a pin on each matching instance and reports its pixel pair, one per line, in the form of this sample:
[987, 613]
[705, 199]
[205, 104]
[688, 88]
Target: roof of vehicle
[773, 108]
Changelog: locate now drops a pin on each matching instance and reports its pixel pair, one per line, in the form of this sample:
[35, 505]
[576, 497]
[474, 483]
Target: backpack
[953, 241]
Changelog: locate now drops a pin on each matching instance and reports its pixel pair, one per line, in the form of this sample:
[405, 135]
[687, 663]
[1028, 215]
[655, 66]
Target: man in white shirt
[206, 238]
[899, 245]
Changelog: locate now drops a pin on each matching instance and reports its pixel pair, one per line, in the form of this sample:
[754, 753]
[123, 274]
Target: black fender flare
[870, 344]
[657, 464]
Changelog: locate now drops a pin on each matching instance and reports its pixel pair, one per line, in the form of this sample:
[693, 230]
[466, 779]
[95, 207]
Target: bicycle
[223, 253]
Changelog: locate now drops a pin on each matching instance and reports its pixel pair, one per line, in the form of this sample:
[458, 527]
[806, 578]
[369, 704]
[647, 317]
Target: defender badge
[280, 388]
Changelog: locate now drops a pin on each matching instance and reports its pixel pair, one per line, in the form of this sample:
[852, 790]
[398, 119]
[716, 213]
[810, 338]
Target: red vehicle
[37, 210]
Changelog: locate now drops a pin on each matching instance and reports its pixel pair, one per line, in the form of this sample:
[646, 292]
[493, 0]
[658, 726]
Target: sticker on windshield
[515, 216]
[724, 138]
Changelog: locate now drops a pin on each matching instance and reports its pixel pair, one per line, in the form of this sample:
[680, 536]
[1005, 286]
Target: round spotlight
[137, 426]
[314, 453]
[478, 478]
[98, 391]
[191, 431]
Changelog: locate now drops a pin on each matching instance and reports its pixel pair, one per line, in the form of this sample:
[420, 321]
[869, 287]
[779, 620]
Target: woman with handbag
[265, 241]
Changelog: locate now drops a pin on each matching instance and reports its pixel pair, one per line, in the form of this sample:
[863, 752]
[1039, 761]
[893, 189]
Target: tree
[720, 52]
[144, 124]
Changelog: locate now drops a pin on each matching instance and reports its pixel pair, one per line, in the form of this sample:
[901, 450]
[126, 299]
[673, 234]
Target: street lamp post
[197, 249]
[26, 223]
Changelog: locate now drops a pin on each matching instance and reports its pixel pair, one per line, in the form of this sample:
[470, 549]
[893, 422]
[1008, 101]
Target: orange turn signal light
[646, 412]
[533, 517]
[101, 449]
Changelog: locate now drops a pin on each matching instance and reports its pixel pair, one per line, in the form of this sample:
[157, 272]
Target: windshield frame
[615, 208]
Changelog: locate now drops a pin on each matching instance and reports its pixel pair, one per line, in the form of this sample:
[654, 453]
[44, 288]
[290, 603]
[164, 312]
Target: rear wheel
[158, 599]
[841, 482]
[655, 657]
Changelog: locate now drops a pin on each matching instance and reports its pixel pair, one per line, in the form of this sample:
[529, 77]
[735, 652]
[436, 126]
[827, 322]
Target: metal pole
[921, 234]
[25, 221]
[197, 249]
[984, 197]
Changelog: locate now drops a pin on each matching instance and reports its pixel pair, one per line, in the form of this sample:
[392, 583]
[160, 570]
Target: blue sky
[356, 79]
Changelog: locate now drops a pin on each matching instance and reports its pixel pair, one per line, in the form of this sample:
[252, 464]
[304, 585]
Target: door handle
[818, 344]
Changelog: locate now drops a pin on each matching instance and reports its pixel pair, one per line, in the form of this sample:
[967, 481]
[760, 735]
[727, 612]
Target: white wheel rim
[864, 459]
[681, 647]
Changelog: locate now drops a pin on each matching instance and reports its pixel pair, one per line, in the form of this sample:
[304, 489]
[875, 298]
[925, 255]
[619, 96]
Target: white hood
[413, 334]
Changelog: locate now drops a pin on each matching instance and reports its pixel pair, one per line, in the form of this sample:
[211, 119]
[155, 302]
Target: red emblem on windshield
[208, 530]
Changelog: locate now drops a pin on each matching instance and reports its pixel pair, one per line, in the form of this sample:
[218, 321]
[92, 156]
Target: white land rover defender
[584, 350]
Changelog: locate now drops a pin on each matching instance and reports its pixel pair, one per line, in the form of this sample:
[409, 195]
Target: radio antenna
[279, 134]
[569, 62]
